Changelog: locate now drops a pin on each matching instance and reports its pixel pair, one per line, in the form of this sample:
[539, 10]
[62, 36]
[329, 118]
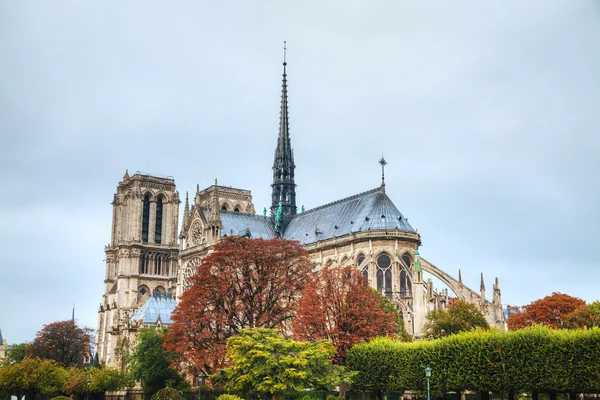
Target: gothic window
[403, 285]
[145, 218]
[159, 217]
[364, 268]
[143, 294]
[144, 261]
[384, 275]
[406, 260]
[223, 208]
[236, 210]
[158, 265]
[160, 290]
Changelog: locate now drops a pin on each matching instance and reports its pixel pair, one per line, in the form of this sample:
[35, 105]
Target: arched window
[143, 294]
[144, 264]
[403, 289]
[158, 265]
[145, 218]
[236, 210]
[223, 208]
[384, 275]
[406, 259]
[159, 217]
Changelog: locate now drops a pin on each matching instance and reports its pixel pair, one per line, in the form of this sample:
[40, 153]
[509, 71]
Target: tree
[31, 376]
[265, 363]
[244, 283]
[62, 341]
[459, 317]
[15, 353]
[150, 363]
[81, 381]
[341, 307]
[554, 311]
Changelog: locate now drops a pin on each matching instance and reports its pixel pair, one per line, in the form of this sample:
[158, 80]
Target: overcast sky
[487, 113]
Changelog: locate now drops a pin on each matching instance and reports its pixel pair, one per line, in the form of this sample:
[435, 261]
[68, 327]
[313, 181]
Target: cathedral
[149, 259]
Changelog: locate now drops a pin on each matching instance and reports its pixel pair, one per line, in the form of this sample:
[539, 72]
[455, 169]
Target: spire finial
[216, 182]
[284, 53]
[383, 163]
[73, 314]
[459, 277]
[482, 283]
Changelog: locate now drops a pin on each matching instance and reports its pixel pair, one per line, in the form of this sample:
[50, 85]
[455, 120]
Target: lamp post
[200, 381]
[87, 396]
[428, 375]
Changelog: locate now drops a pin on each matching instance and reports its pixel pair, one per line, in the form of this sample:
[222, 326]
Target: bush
[167, 394]
[535, 358]
[61, 398]
[229, 397]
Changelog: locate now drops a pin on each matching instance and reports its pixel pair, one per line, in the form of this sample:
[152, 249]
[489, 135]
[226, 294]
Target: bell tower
[142, 255]
[283, 194]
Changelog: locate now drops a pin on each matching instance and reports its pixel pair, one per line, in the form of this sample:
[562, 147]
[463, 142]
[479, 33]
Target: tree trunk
[343, 390]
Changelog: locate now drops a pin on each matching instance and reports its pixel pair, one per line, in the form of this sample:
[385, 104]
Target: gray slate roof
[237, 224]
[157, 305]
[362, 212]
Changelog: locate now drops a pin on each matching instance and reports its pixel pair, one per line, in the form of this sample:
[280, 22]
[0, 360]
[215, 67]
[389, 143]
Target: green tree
[81, 381]
[150, 363]
[15, 353]
[390, 308]
[31, 376]
[459, 317]
[265, 363]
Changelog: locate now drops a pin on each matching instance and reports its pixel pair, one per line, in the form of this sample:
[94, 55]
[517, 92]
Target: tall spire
[283, 187]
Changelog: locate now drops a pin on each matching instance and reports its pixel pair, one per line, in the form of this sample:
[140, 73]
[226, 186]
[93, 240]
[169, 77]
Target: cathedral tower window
[159, 218]
[158, 266]
[144, 261]
[384, 275]
[145, 218]
[405, 284]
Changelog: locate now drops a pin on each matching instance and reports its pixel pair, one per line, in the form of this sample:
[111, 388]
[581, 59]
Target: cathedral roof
[254, 226]
[371, 210]
[157, 306]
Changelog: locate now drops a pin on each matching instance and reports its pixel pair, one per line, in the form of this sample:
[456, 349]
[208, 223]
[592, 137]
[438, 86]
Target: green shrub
[229, 397]
[61, 398]
[534, 358]
[167, 394]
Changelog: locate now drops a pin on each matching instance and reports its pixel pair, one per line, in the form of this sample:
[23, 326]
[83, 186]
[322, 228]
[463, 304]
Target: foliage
[61, 398]
[229, 397]
[459, 317]
[167, 394]
[33, 375]
[62, 341]
[265, 363]
[244, 283]
[554, 311]
[535, 358]
[80, 381]
[390, 308]
[340, 307]
[15, 353]
[150, 363]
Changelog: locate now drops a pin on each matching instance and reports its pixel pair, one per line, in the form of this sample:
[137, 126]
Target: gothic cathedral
[147, 259]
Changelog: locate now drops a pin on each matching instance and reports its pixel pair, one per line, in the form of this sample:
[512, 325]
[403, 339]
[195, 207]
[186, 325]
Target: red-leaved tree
[62, 341]
[339, 306]
[244, 283]
[554, 311]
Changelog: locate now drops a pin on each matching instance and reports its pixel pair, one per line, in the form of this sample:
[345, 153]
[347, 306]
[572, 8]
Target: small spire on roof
[383, 163]
[73, 313]
[459, 276]
[482, 284]
[126, 176]
[216, 182]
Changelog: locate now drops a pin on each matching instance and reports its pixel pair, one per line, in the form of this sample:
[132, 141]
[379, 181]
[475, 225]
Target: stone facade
[147, 253]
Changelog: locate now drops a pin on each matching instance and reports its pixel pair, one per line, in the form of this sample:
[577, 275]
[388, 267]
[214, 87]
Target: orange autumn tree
[339, 306]
[244, 283]
[554, 311]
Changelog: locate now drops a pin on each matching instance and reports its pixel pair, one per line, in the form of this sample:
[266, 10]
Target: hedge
[535, 358]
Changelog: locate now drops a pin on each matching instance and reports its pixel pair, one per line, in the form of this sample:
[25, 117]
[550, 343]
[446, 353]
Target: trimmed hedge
[535, 358]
